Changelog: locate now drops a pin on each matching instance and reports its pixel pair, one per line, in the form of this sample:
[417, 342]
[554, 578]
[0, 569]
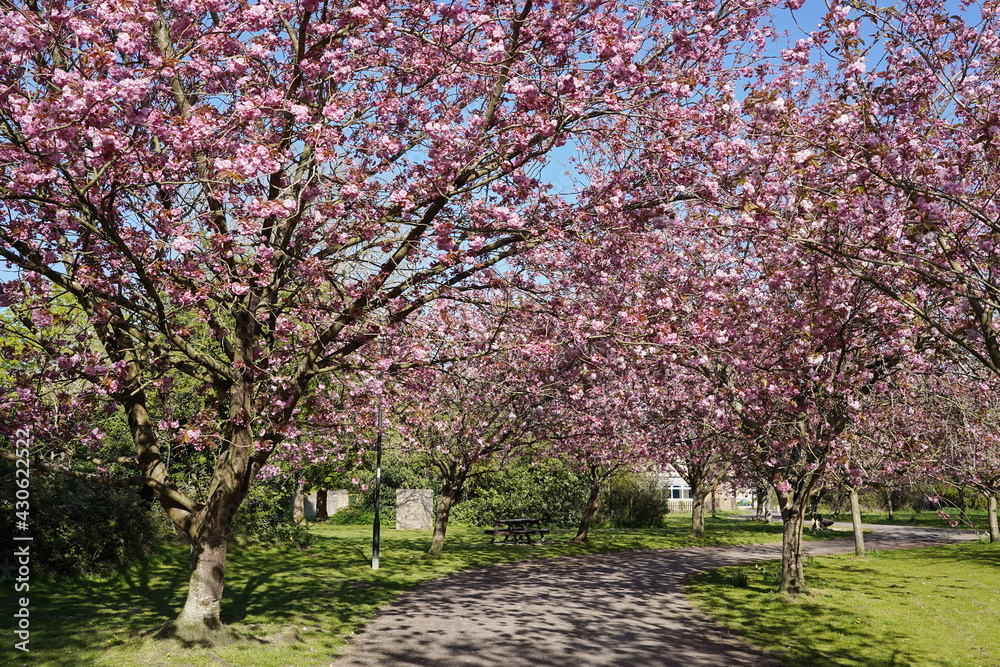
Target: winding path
[622, 609]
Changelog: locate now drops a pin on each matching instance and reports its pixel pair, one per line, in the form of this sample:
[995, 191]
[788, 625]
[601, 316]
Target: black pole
[377, 525]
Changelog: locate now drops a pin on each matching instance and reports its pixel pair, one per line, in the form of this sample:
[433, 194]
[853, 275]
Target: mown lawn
[974, 520]
[928, 607]
[313, 598]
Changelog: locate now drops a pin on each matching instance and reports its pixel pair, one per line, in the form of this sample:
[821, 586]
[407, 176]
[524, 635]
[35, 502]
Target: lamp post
[377, 525]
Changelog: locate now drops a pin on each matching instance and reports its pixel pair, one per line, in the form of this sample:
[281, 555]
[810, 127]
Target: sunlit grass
[321, 595]
[917, 607]
[974, 519]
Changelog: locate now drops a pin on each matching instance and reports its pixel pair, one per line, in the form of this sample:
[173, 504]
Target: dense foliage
[83, 528]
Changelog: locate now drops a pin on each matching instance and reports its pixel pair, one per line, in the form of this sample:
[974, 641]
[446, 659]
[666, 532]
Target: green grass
[327, 592]
[917, 607]
[930, 519]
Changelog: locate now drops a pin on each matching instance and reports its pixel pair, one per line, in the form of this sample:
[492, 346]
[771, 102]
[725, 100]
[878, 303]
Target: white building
[680, 494]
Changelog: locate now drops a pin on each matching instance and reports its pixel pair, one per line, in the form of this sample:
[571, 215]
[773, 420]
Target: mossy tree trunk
[207, 526]
[793, 580]
[699, 498]
[793, 499]
[763, 497]
[703, 477]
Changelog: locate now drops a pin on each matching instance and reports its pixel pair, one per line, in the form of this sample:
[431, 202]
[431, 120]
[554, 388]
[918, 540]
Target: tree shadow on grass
[71, 617]
[801, 632]
[329, 588]
[979, 553]
[73, 620]
[938, 585]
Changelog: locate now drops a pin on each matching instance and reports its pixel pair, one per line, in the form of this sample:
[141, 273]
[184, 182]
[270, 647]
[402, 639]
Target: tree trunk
[199, 622]
[859, 535]
[204, 601]
[991, 509]
[698, 497]
[764, 504]
[450, 489]
[888, 503]
[793, 579]
[321, 500]
[589, 512]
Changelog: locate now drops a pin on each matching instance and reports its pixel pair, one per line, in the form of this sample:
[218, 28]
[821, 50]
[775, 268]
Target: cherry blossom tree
[475, 410]
[790, 345]
[597, 444]
[799, 397]
[956, 420]
[249, 194]
[704, 460]
[905, 136]
[872, 143]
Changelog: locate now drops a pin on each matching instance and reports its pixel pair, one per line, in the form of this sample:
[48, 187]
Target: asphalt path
[622, 610]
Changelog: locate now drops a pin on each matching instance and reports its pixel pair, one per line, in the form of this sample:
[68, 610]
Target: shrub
[548, 490]
[362, 507]
[634, 501]
[355, 515]
[267, 506]
[265, 516]
[79, 527]
[299, 537]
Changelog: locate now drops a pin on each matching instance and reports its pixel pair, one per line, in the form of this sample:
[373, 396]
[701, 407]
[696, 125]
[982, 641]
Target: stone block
[414, 509]
[335, 499]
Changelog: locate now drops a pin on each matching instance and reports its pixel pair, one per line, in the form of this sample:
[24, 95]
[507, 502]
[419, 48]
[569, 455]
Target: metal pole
[377, 525]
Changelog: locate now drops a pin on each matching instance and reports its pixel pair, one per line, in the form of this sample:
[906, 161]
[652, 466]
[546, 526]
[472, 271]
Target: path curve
[621, 609]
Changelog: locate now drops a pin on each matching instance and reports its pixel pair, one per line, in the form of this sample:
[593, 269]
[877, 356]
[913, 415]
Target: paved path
[621, 610]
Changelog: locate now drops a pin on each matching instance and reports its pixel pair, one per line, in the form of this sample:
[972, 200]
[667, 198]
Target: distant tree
[475, 412]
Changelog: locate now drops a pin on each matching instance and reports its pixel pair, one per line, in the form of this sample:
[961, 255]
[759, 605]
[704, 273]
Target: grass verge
[308, 601]
[915, 607]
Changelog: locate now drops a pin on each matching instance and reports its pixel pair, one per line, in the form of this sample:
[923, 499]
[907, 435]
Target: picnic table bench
[517, 531]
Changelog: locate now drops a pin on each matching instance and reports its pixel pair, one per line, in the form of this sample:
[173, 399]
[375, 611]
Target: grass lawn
[326, 592]
[916, 607]
[978, 518]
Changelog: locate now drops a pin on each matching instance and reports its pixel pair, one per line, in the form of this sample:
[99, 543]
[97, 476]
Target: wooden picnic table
[517, 531]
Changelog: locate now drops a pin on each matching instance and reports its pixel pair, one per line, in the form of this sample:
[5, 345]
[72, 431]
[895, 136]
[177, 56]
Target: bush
[633, 501]
[549, 491]
[80, 527]
[356, 515]
[362, 507]
[267, 506]
[265, 516]
[299, 537]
